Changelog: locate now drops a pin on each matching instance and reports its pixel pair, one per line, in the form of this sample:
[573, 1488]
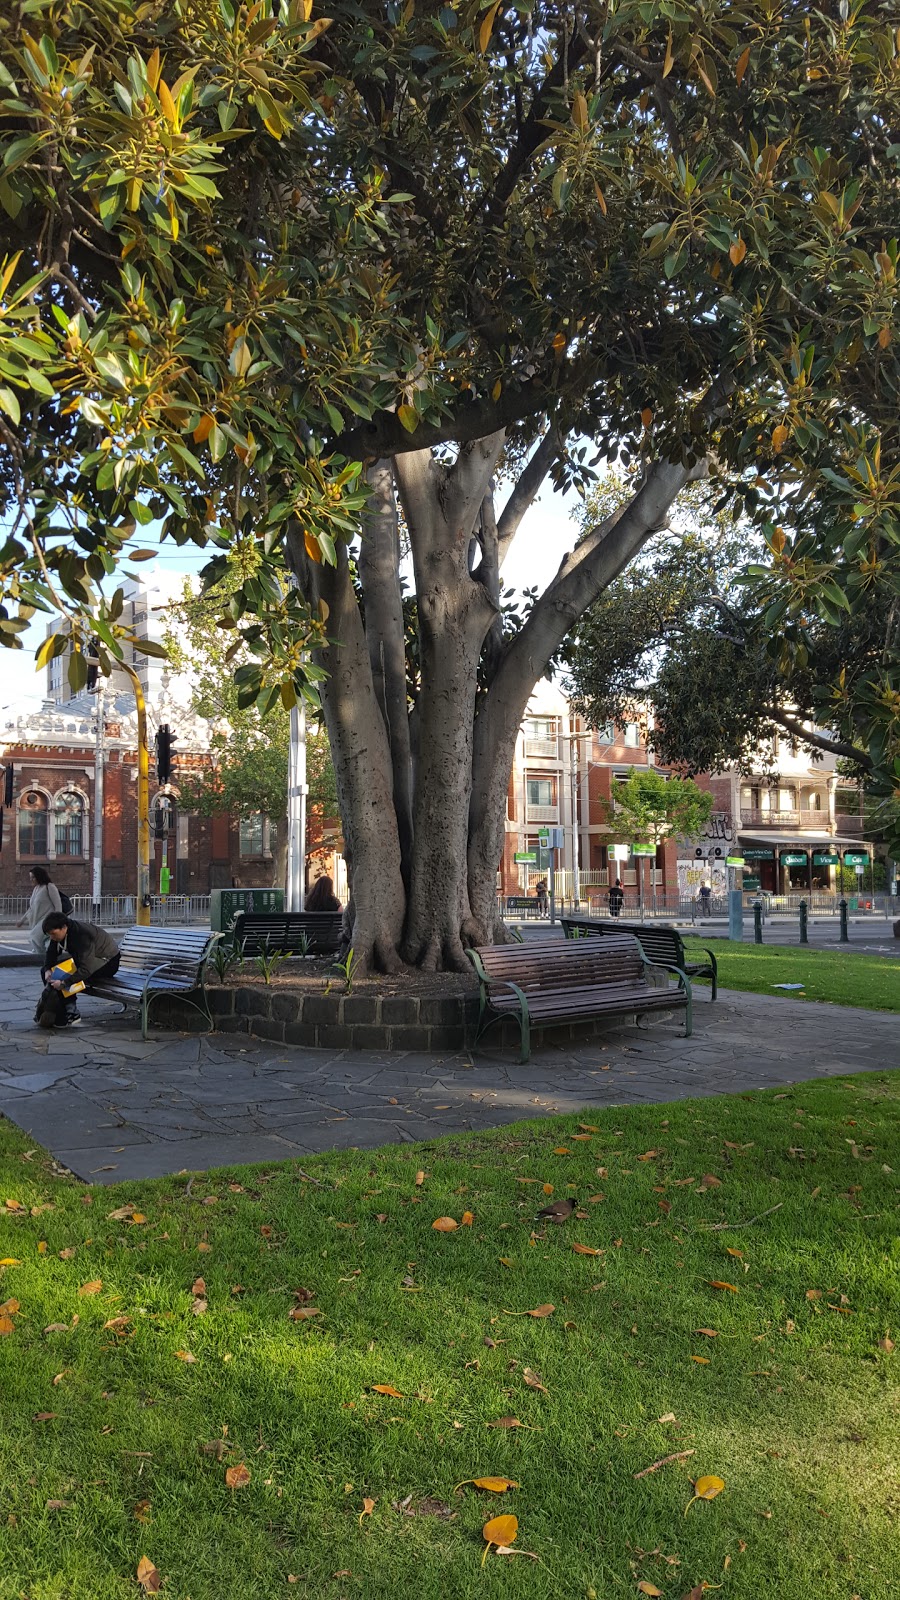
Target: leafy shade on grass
[784, 1385]
[844, 978]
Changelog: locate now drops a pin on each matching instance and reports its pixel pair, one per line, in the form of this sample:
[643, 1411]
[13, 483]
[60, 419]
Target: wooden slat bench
[160, 961]
[549, 981]
[659, 944]
[315, 933]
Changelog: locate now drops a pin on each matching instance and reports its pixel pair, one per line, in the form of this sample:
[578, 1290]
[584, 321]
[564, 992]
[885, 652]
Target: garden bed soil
[310, 977]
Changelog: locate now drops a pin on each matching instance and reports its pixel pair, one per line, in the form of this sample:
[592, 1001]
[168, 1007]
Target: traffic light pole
[143, 799]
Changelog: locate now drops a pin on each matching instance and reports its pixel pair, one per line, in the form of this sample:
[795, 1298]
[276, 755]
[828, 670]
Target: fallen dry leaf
[120, 1215]
[583, 1138]
[650, 1155]
[420, 1178]
[494, 1485]
[10, 1261]
[303, 1313]
[541, 1311]
[588, 1127]
[237, 1477]
[6, 1324]
[587, 1250]
[57, 1505]
[506, 1422]
[710, 1332]
[705, 1489]
[711, 1181]
[669, 1416]
[533, 1381]
[137, 1217]
[141, 1511]
[702, 1361]
[199, 1305]
[57, 1327]
[10, 1306]
[813, 1294]
[648, 1588]
[198, 1286]
[42, 1247]
[445, 1225]
[60, 1375]
[505, 1261]
[14, 1205]
[730, 1250]
[717, 1283]
[501, 1530]
[368, 1506]
[386, 1388]
[66, 1255]
[185, 1355]
[148, 1576]
[44, 1416]
[468, 1217]
[94, 1287]
[562, 1150]
[547, 1188]
[886, 1344]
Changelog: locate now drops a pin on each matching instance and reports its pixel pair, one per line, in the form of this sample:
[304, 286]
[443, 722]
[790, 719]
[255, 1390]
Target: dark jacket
[90, 948]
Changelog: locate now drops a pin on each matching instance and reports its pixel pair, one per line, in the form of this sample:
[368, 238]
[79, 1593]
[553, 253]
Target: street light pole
[99, 761]
[298, 790]
[142, 916]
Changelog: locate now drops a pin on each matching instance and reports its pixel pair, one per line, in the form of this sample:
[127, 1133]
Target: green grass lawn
[844, 978]
[115, 1445]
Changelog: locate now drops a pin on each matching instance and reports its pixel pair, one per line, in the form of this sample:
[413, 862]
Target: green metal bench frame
[190, 977]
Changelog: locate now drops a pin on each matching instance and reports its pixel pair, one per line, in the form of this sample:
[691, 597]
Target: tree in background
[249, 750]
[650, 808]
[443, 248]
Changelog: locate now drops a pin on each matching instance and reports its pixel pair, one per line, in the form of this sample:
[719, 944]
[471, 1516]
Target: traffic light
[8, 785]
[165, 753]
[93, 666]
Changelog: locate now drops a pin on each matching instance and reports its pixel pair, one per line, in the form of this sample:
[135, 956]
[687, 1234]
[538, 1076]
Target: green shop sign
[526, 858]
[793, 858]
[752, 854]
[643, 849]
[856, 858]
[224, 905]
[826, 858]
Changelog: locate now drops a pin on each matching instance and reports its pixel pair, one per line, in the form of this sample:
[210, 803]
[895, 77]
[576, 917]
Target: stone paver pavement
[111, 1106]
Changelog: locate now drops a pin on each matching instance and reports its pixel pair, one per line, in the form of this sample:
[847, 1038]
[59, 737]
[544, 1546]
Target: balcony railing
[541, 813]
[803, 817]
[850, 822]
[542, 747]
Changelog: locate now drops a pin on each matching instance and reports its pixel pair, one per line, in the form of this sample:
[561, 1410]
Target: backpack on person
[65, 902]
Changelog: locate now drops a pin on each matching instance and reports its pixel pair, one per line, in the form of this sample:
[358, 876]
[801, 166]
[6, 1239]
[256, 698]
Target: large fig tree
[342, 290]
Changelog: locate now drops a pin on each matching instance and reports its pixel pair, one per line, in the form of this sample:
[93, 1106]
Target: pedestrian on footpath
[45, 898]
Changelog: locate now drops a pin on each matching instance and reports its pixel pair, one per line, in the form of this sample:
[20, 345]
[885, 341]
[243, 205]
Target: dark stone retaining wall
[333, 1021]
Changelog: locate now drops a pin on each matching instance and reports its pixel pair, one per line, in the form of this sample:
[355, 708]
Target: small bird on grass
[559, 1211]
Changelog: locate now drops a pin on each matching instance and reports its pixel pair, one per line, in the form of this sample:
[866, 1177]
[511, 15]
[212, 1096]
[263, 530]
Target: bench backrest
[658, 944]
[276, 930]
[562, 963]
[182, 949]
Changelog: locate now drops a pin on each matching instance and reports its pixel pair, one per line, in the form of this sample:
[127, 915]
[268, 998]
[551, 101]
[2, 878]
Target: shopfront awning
[783, 841]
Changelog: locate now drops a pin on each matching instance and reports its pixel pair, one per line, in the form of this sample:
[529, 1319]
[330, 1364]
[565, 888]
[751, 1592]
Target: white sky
[548, 530]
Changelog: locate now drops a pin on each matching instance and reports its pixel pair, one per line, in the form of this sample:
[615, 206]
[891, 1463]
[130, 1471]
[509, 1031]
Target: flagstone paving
[112, 1106]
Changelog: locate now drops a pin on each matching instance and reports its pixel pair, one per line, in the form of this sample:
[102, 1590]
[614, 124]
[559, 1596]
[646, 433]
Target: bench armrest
[712, 960]
[684, 981]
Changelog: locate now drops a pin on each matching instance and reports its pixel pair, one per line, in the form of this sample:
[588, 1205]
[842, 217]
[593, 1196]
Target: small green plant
[224, 958]
[346, 969]
[268, 962]
[304, 945]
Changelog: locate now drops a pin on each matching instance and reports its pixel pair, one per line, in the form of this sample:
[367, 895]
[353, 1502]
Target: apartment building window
[541, 737]
[34, 811]
[632, 735]
[539, 791]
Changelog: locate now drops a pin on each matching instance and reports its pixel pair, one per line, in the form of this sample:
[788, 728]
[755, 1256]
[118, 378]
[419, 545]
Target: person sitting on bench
[93, 953]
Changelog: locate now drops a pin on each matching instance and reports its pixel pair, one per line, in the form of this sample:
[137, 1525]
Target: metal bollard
[845, 931]
[757, 922]
[804, 921]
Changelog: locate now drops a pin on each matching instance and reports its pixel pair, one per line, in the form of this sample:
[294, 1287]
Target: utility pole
[576, 854]
[297, 792]
[99, 764]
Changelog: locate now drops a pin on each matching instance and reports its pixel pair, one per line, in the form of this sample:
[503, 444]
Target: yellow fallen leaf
[368, 1506]
[507, 1422]
[468, 1217]
[495, 1485]
[137, 1216]
[499, 1531]
[582, 1138]
[148, 1576]
[42, 1247]
[710, 1332]
[562, 1150]
[237, 1477]
[185, 1355]
[586, 1250]
[6, 1324]
[420, 1178]
[14, 1205]
[198, 1286]
[10, 1261]
[648, 1588]
[716, 1283]
[204, 1247]
[541, 1311]
[533, 1381]
[10, 1306]
[705, 1489]
[386, 1388]
[547, 1188]
[813, 1294]
[702, 1361]
[505, 1261]
[94, 1287]
[738, 1254]
[303, 1313]
[445, 1225]
[588, 1127]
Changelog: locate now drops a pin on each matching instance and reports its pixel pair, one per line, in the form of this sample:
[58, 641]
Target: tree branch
[821, 741]
[525, 490]
[385, 435]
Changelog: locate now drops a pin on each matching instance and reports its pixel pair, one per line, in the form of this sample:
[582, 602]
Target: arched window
[34, 810]
[69, 824]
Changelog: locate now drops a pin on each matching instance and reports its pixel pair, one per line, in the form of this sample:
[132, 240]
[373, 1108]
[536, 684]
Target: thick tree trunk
[455, 612]
[379, 575]
[362, 763]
